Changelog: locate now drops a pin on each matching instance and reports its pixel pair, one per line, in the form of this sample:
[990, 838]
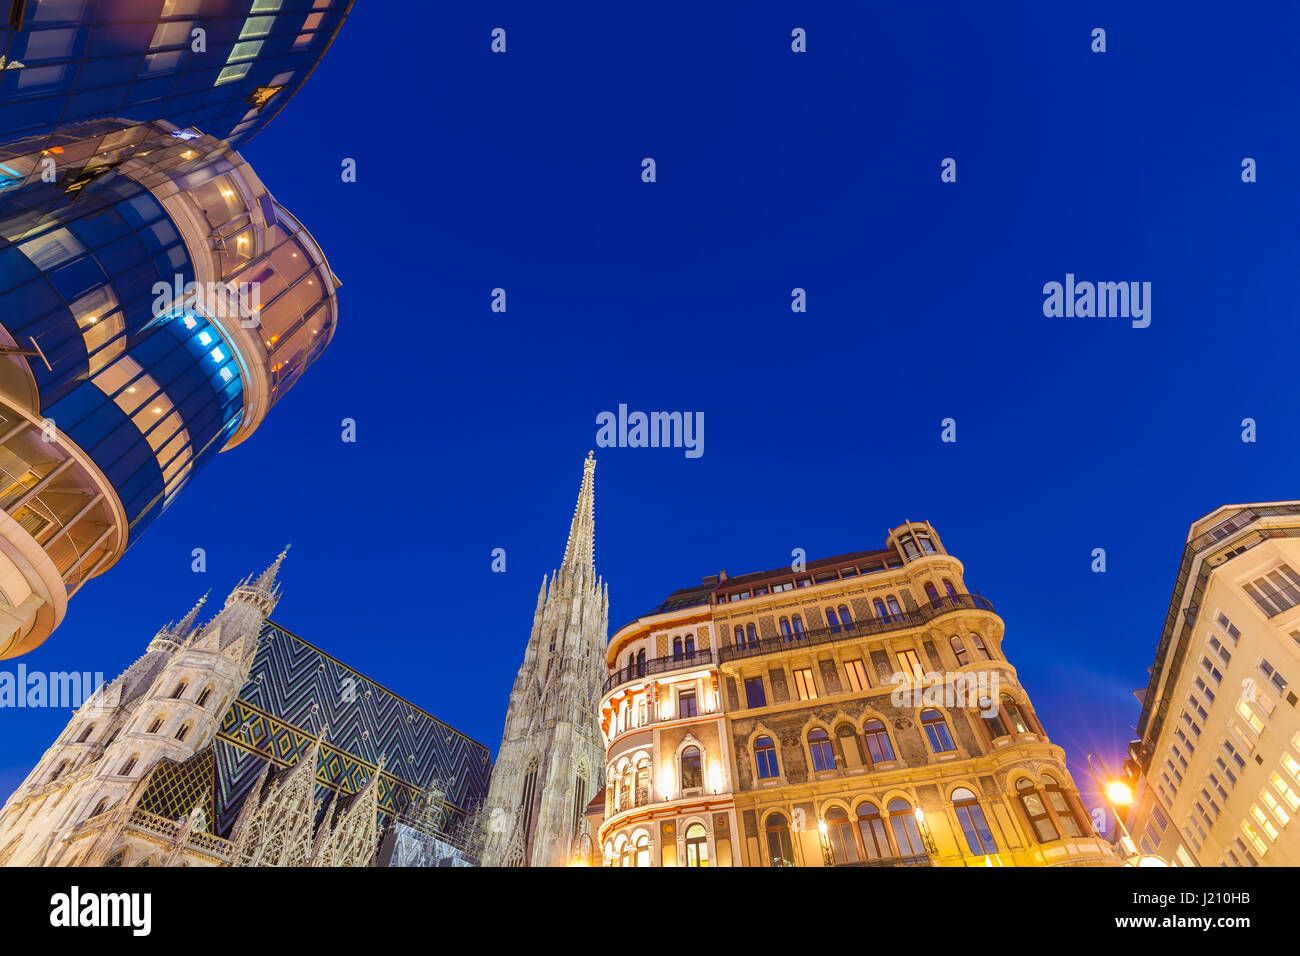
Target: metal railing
[865, 627]
[657, 665]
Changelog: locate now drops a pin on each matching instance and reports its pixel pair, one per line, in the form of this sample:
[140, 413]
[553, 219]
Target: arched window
[850, 749]
[881, 613]
[127, 767]
[978, 835]
[796, 621]
[692, 772]
[846, 619]
[871, 827]
[642, 850]
[1039, 819]
[906, 833]
[832, 620]
[839, 831]
[625, 851]
[765, 758]
[879, 748]
[980, 650]
[780, 851]
[697, 846]
[629, 774]
[118, 859]
[204, 695]
[819, 744]
[153, 727]
[751, 635]
[1015, 719]
[739, 636]
[992, 716]
[690, 646]
[931, 592]
[1061, 804]
[180, 734]
[677, 648]
[100, 807]
[526, 800]
[643, 782]
[58, 771]
[895, 612]
[958, 648]
[936, 730]
[640, 662]
[85, 734]
[947, 586]
[180, 689]
[786, 633]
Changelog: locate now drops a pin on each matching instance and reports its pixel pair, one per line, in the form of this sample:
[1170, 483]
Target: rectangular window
[911, 665]
[856, 675]
[803, 683]
[686, 704]
[1161, 820]
[754, 695]
[783, 586]
[1276, 591]
[1229, 629]
[1276, 679]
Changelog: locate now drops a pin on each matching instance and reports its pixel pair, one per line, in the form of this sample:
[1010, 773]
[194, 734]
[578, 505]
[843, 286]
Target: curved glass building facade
[223, 66]
[155, 302]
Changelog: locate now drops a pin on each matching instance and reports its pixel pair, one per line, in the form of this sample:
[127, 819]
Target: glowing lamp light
[821, 827]
[667, 783]
[1118, 793]
[715, 777]
[919, 814]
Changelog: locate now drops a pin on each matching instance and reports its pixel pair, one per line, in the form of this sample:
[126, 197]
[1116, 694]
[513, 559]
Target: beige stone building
[854, 710]
[1216, 768]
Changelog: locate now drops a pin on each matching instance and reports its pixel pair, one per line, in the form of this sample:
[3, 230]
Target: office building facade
[1216, 767]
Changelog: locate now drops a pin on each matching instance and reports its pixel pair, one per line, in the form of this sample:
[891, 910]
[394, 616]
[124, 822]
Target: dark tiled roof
[686, 597]
[700, 594]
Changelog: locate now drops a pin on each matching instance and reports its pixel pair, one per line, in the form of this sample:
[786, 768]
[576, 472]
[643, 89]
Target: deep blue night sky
[775, 171]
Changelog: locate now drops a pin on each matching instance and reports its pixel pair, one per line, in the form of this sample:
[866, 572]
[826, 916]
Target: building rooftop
[858, 562]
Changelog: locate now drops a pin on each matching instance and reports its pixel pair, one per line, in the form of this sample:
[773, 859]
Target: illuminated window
[803, 683]
[697, 846]
[911, 663]
[855, 675]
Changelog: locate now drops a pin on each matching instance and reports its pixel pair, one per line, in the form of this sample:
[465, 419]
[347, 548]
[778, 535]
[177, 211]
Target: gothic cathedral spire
[551, 759]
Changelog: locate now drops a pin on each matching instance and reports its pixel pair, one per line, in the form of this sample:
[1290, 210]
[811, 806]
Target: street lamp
[828, 858]
[925, 831]
[1117, 794]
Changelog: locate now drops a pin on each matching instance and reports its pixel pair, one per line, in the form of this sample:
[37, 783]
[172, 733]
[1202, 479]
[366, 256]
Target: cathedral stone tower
[165, 706]
[552, 755]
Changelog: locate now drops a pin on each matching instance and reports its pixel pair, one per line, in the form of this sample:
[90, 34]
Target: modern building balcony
[865, 627]
[656, 666]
